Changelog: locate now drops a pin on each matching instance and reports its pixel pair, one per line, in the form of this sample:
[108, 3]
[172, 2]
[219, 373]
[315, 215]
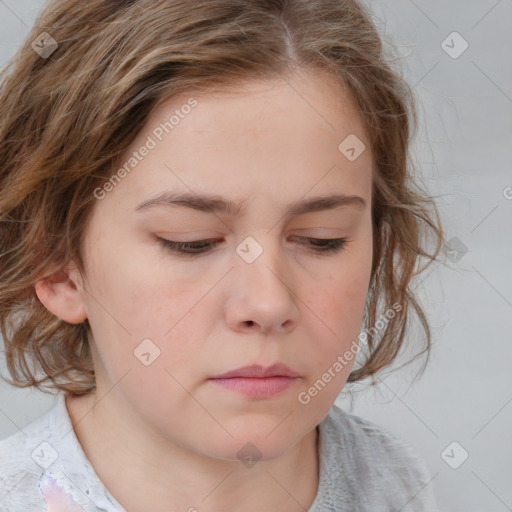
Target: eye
[333, 245]
[318, 245]
[196, 247]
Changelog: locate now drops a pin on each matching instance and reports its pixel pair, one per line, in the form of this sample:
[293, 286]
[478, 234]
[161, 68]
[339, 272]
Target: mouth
[258, 371]
[256, 381]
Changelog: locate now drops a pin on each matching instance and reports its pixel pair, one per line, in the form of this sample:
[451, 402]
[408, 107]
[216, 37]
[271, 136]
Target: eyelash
[333, 245]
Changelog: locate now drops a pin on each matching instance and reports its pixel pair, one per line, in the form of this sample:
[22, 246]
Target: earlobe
[60, 295]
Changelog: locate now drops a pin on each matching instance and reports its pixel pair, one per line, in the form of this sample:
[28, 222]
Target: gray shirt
[363, 468]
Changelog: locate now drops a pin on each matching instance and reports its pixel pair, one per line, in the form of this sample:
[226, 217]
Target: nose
[261, 294]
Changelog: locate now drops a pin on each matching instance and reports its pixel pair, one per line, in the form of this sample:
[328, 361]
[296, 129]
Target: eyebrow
[217, 204]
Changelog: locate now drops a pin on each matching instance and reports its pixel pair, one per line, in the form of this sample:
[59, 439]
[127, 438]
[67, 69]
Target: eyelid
[205, 246]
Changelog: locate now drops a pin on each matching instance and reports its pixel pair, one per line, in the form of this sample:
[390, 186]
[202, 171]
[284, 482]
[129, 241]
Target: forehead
[282, 135]
[301, 103]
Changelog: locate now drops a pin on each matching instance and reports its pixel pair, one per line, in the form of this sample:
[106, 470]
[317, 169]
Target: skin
[166, 425]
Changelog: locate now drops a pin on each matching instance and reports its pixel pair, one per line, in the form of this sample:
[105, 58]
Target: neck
[145, 471]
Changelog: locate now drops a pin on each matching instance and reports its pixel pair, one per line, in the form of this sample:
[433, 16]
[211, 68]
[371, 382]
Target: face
[261, 284]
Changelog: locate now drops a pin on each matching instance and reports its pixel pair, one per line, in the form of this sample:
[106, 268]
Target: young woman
[209, 223]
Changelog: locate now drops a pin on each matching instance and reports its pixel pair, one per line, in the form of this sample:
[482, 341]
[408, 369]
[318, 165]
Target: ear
[59, 293]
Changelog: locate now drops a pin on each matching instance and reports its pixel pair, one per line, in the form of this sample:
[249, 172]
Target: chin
[250, 445]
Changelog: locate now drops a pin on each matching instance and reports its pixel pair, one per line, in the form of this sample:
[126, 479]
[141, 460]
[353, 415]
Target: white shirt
[363, 468]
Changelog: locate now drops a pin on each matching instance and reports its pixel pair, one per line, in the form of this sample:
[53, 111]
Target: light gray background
[464, 151]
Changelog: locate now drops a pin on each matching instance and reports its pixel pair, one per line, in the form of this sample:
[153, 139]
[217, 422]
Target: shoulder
[372, 440]
[43, 466]
[384, 467]
[382, 442]
[23, 457]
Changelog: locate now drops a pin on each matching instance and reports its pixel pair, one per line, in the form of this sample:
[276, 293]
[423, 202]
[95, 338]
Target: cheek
[341, 297]
[140, 295]
[130, 302]
[335, 310]
[338, 308]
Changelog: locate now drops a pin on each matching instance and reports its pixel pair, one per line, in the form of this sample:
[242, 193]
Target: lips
[257, 382]
[258, 371]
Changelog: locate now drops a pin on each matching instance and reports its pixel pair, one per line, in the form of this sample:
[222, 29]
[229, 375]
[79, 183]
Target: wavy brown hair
[66, 118]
